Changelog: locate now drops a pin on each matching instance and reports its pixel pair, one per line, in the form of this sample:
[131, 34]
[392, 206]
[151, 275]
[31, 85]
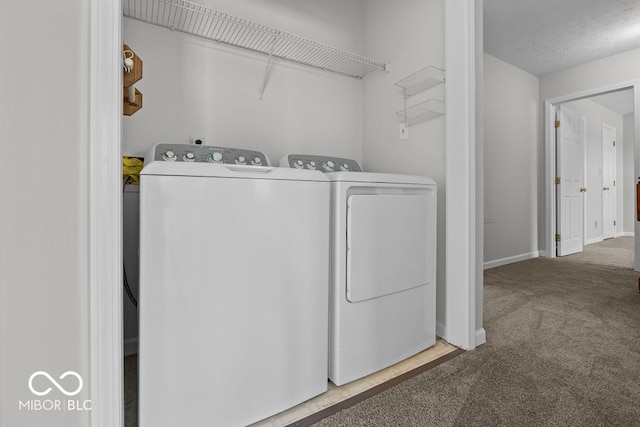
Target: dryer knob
[344, 167]
[257, 161]
[298, 164]
[241, 160]
[169, 156]
[311, 165]
[189, 157]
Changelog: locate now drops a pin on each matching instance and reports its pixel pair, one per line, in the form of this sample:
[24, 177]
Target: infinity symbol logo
[55, 383]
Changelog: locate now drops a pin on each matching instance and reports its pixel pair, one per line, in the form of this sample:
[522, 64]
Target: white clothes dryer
[383, 266]
[233, 287]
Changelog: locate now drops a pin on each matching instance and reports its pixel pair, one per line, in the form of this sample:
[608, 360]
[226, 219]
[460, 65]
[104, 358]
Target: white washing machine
[383, 266]
[233, 287]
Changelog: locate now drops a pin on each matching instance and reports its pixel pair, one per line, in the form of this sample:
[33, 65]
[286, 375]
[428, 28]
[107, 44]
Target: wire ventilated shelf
[197, 20]
[421, 112]
[421, 80]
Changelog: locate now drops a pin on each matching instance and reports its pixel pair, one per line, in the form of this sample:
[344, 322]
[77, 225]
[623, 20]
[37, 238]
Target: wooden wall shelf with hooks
[129, 78]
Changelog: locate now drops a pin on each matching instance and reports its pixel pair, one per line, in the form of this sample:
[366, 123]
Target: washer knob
[257, 161]
[189, 157]
[344, 167]
[241, 160]
[299, 164]
[328, 166]
[311, 165]
[216, 157]
[169, 156]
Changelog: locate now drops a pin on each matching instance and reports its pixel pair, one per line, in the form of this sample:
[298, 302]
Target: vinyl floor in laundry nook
[334, 395]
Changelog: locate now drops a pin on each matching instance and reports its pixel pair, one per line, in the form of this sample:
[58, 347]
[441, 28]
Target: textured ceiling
[542, 36]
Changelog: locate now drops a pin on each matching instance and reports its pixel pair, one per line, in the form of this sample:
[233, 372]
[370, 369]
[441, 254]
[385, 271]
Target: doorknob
[582, 189]
[606, 188]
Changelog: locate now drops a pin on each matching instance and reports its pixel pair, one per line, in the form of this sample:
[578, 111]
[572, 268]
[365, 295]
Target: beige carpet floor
[563, 349]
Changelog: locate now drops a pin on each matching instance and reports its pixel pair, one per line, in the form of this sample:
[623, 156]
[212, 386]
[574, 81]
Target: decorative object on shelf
[197, 20]
[127, 62]
[132, 73]
[418, 82]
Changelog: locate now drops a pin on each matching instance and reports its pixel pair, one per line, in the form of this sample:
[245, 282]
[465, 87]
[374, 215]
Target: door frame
[550, 158]
[105, 234]
[105, 214]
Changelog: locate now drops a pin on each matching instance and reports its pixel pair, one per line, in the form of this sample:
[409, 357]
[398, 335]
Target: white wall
[510, 163]
[410, 37]
[623, 67]
[595, 116]
[195, 87]
[629, 178]
[44, 299]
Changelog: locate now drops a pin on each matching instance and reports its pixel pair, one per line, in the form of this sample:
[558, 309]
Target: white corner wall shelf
[427, 110]
[418, 82]
[194, 19]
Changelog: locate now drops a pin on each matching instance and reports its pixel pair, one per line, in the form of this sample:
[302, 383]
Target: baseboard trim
[481, 336]
[601, 239]
[511, 260]
[594, 240]
[130, 346]
[441, 330]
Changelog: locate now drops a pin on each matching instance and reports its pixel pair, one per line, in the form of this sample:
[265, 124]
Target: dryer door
[390, 241]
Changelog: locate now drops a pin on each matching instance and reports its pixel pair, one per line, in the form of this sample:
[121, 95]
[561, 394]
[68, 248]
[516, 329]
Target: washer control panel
[205, 154]
[321, 163]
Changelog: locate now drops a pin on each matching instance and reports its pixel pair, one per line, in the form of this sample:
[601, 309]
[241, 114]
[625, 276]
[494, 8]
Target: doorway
[105, 178]
[632, 141]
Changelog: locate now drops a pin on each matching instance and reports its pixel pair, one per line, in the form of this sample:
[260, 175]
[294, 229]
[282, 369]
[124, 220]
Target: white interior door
[570, 182]
[608, 182]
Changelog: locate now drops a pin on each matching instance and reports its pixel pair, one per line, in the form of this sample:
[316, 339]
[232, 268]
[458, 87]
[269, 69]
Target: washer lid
[161, 168]
[382, 178]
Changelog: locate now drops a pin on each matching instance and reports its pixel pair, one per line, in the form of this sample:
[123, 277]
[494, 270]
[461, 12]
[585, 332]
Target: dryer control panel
[321, 163]
[205, 154]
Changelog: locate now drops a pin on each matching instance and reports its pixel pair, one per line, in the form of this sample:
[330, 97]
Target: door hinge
[557, 124]
[614, 143]
[614, 223]
[557, 237]
[557, 180]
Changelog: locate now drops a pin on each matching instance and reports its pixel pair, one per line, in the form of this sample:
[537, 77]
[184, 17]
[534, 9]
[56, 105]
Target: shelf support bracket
[267, 71]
